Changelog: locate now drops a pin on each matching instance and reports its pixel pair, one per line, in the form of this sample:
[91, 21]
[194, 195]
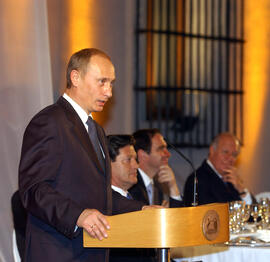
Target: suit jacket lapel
[225, 191]
[143, 190]
[102, 141]
[80, 132]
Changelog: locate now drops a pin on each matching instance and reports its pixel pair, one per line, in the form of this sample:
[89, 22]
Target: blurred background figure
[124, 175]
[123, 162]
[155, 176]
[218, 179]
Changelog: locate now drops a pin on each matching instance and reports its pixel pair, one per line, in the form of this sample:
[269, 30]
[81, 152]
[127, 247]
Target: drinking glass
[235, 208]
[245, 215]
[255, 211]
[265, 212]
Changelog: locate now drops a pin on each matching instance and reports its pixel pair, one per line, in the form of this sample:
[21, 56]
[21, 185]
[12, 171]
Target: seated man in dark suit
[155, 176]
[124, 175]
[218, 180]
[123, 163]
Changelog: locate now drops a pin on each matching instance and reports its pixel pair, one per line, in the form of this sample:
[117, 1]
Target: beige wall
[25, 88]
[255, 158]
[107, 25]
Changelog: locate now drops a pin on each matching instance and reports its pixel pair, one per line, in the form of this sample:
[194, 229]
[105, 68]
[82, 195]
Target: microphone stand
[164, 253]
[195, 200]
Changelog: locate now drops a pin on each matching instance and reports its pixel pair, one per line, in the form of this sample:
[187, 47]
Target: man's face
[159, 154]
[124, 168]
[94, 89]
[224, 156]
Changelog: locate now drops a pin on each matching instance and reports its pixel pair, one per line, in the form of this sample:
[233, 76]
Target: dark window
[189, 68]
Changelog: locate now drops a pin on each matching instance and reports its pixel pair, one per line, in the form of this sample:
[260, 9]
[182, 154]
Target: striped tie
[92, 131]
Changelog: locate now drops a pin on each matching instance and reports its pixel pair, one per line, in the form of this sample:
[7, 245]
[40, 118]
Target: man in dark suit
[155, 176]
[123, 163]
[218, 180]
[124, 175]
[64, 172]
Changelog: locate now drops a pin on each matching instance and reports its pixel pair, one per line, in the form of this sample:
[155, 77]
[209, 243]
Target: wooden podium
[166, 228]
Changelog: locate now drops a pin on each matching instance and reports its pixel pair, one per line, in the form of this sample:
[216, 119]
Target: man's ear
[142, 155]
[211, 151]
[75, 77]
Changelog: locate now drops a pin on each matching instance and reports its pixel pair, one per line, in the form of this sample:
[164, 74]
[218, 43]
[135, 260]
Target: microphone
[195, 193]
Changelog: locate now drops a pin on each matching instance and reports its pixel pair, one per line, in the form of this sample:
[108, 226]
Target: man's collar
[146, 179]
[213, 168]
[120, 190]
[82, 114]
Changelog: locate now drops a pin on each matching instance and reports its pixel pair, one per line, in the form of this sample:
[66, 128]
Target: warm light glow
[80, 24]
[256, 72]
[163, 227]
[81, 35]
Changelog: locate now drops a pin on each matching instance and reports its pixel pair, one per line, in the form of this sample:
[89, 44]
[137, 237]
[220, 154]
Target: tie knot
[91, 125]
[129, 196]
[90, 121]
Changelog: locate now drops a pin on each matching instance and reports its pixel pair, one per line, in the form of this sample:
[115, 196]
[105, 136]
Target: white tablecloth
[232, 253]
[218, 253]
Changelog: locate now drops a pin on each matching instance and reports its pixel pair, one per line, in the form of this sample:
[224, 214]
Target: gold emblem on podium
[210, 225]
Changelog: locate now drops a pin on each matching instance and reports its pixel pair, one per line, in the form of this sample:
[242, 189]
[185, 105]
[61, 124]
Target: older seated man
[218, 179]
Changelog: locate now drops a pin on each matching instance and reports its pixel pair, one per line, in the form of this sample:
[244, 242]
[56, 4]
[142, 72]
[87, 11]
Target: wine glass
[265, 212]
[245, 215]
[264, 201]
[235, 208]
[255, 211]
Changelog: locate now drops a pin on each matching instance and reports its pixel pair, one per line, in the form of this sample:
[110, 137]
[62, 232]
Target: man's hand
[94, 222]
[166, 175]
[233, 177]
[151, 207]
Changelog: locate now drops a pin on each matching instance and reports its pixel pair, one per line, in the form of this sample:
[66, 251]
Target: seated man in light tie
[124, 175]
[218, 178]
[156, 180]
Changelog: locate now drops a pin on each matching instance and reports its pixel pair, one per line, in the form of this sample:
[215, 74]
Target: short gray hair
[216, 140]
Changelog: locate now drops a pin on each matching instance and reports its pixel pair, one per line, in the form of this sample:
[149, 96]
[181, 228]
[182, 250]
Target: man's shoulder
[206, 175]
[49, 117]
[50, 109]
[202, 172]
[204, 169]
[58, 109]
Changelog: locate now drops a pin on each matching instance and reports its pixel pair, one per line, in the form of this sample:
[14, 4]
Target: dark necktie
[129, 196]
[92, 131]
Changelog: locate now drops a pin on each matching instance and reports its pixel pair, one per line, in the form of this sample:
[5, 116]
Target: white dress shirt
[82, 114]
[120, 190]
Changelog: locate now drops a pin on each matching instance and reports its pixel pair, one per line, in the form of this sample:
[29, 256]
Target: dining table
[242, 247]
